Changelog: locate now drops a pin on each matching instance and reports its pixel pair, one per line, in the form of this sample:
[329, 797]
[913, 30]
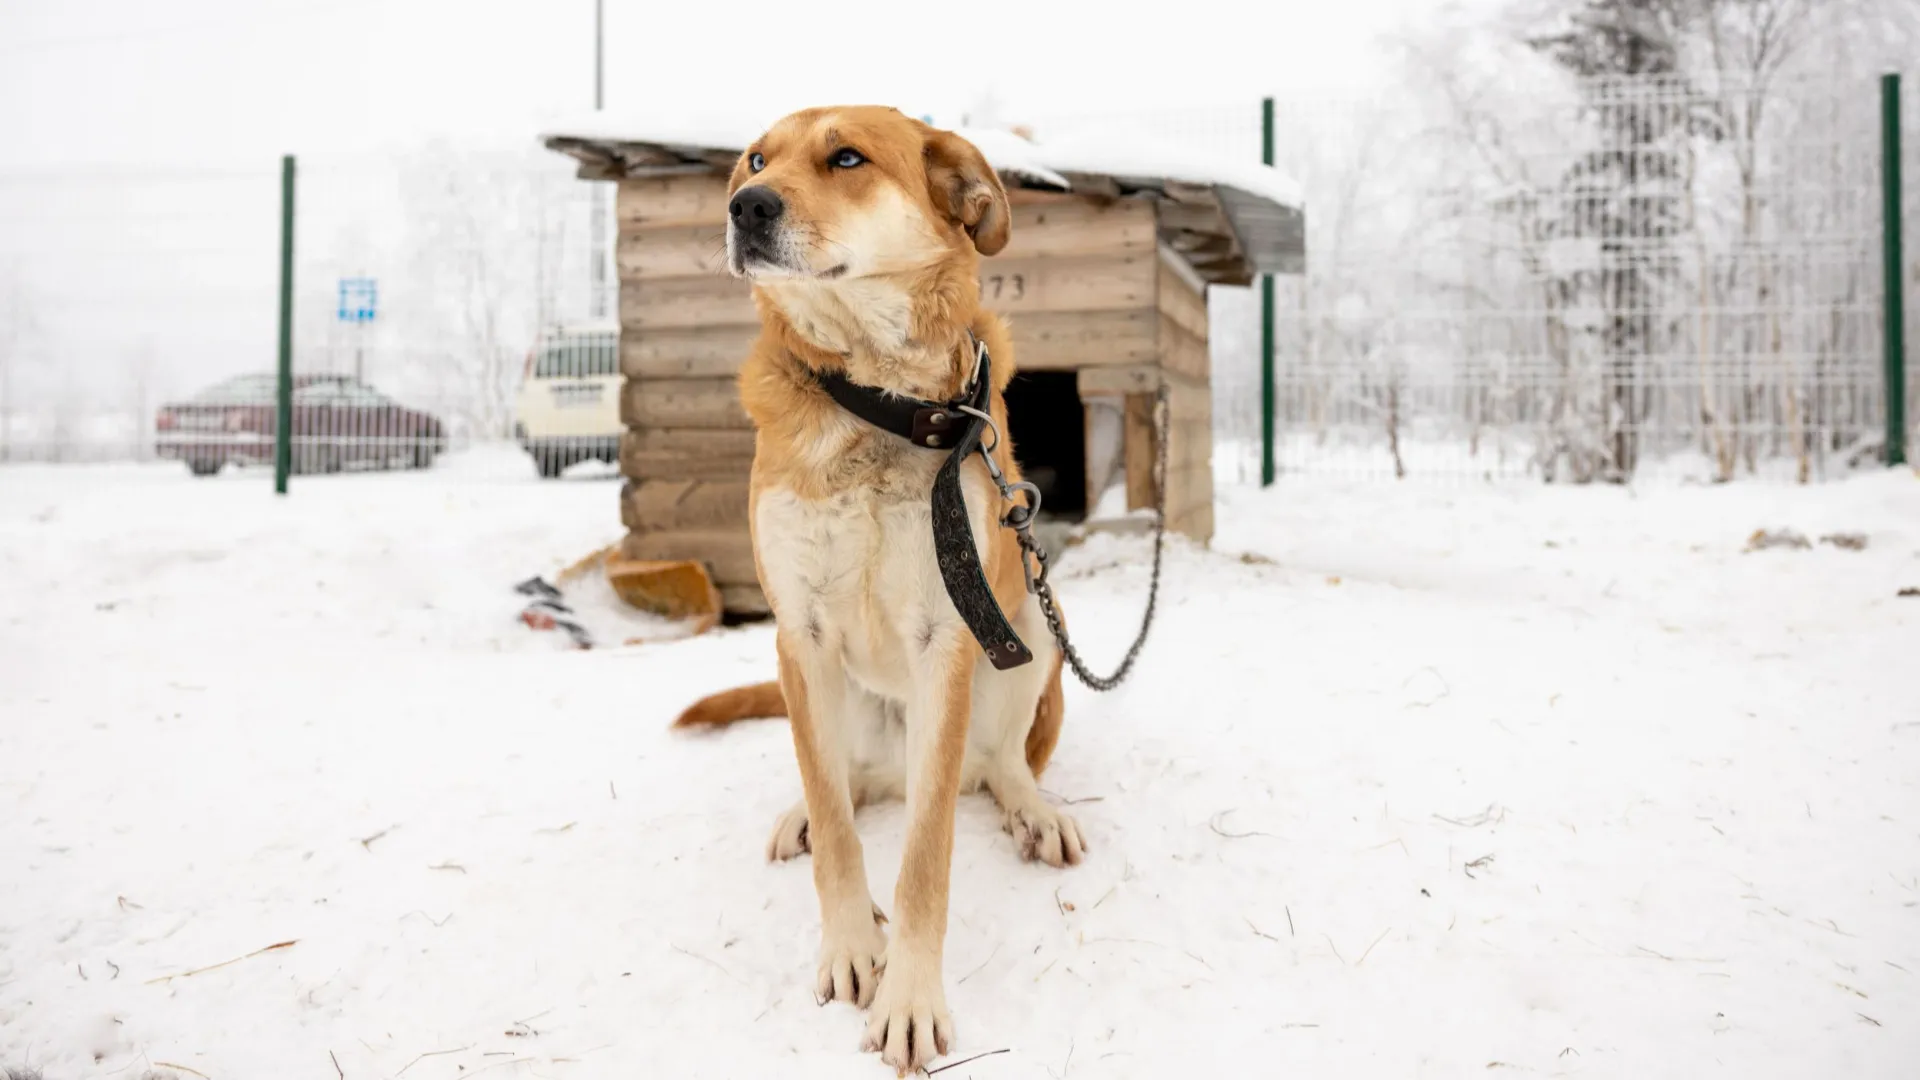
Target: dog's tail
[759, 701]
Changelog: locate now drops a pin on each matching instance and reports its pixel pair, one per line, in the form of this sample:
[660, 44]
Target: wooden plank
[1188, 400]
[671, 251]
[1189, 447]
[1183, 191]
[672, 200]
[1194, 223]
[1107, 282]
[635, 156]
[1074, 226]
[1194, 217]
[744, 600]
[1134, 379]
[1098, 185]
[713, 352]
[1190, 459]
[1181, 352]
[1189, 468]
[1190, 500]
[728, 552]
[577, 149]
[1196, 524]
[1140, 449]
[1188, 490]
[1020, 196]
[1190, 433]
[654, 505]
[1199, 246]
[1229, 270]
[1119, 379]
[1190, 452]
[682, 403]
[1062, 341]
[686, 454]
[1179, 497]
[1182, 294]
[685, 303]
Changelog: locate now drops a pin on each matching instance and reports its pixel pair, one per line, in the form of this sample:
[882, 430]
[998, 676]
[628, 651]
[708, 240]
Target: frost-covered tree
[488, 258]
[1624, 196]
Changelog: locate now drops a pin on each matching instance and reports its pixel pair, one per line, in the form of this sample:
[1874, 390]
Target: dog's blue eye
[846, 159]
[756, 162]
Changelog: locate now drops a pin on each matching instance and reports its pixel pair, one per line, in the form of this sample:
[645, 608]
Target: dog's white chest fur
[855, 573]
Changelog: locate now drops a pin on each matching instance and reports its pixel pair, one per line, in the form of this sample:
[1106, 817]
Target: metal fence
[1571, 280]
[138, 312]
[462, 284]
[1565, 280]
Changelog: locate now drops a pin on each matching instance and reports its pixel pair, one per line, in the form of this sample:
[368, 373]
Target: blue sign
[359, 299]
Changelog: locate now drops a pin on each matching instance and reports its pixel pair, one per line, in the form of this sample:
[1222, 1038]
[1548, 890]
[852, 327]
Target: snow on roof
[689, 131]
[1117, 151]
[1259, 225]
[1109, 150]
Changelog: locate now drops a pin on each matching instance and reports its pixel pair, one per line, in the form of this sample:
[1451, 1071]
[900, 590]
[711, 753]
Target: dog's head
[859, 191]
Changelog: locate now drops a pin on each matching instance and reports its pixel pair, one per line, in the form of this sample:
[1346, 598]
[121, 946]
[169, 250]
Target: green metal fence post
[1266, 321]
[1895, 310]
[283, 396]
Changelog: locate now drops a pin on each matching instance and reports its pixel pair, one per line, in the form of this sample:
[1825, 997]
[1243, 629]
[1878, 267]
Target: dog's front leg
[910, 1024]
[852, 946]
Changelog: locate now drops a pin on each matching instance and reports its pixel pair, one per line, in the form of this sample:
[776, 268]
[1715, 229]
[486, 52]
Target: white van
[569, 405]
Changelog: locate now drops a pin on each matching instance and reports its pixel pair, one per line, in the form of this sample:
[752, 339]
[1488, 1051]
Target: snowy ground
[1409, 782]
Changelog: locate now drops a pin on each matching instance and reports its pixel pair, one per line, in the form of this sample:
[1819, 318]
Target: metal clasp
[1019, 517]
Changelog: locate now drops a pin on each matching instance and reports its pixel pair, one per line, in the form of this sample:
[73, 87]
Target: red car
[337, 421]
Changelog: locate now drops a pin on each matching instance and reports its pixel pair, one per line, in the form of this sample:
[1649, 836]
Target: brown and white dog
[861, 230]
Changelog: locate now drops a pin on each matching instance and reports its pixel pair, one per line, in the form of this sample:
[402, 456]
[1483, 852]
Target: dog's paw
[789, 838]
[1043, 834]
[910, 1025]
[852, 956]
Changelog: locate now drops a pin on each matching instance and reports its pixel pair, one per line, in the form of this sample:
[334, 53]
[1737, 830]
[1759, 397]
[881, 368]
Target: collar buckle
[933, 427]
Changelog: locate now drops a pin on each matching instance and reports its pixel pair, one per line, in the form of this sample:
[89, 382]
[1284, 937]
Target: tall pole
[283, 395]
[598, 238]
[1266, 322]
[1895, 311]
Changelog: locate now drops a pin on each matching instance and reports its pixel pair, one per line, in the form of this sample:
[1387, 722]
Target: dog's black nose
[755, 206]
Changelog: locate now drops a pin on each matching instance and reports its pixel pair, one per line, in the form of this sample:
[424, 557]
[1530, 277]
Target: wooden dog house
[1103, 287]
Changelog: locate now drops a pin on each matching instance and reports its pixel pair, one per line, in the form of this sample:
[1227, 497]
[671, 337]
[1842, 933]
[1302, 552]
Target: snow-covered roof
[1257, 212]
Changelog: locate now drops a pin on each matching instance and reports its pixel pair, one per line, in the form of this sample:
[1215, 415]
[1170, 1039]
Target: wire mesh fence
[138, 313]
[468, 286]
[1572, 281]
[1608, 279]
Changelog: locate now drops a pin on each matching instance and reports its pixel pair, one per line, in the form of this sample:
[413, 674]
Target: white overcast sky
[146, 81]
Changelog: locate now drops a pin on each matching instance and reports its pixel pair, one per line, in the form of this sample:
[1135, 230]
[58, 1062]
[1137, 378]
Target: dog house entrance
[1050, 440]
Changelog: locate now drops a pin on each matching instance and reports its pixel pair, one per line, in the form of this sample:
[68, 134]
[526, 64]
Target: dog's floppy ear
[967, 190]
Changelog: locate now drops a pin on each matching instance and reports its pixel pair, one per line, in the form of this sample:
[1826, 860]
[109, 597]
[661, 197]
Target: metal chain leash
[1020, 519]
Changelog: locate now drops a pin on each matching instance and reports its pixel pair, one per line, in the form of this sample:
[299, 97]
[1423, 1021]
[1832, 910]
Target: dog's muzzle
[754, 219]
